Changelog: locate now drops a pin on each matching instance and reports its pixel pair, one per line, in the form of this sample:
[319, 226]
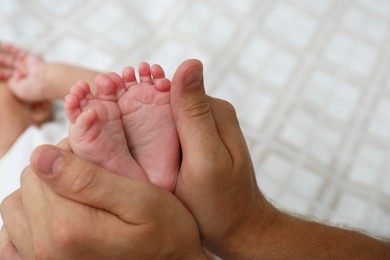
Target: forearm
[302, 238]
[59, 77]
[294, 238]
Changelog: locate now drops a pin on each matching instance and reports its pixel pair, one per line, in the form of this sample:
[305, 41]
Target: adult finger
[192, 114]
[228, 127]
[7, 249]
[74, 178]
[190, 107]
[55, 228]
[15, 223]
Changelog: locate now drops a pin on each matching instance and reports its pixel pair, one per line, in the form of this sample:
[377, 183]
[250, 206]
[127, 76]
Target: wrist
[46, 81]
[246, 241]
[286, 236]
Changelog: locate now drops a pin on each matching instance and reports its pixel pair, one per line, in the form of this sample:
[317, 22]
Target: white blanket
[18, 157]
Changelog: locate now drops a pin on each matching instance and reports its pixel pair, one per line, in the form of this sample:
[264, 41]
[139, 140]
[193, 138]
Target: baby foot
[150, 130]
[96, 132]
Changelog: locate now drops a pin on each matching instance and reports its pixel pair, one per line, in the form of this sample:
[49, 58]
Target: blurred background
[310, 81]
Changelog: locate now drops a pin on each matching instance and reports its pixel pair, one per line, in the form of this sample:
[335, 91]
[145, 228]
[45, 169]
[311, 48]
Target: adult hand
[216, 180]
[94, 214]
[23, 71]
[217, 184]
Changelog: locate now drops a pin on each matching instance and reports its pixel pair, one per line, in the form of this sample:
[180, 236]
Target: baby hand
[23, 72]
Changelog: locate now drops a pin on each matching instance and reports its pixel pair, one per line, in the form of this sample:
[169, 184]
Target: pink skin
[23, 72]
[96, 131]
[150, 130]
[127, 111]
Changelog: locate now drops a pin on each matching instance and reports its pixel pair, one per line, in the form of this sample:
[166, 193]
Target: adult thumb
[191, 109]
[84, 182]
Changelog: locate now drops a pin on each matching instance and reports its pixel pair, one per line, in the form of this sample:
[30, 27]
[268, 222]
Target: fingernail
[194, 78]
[49, 160]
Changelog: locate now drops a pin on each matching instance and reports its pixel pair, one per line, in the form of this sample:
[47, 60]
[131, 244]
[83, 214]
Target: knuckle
[25, 175]
[8, 204]
[82, 180]
[229, 108]
[225, 108]
[198, 108]
[217, 163]
[5, 204]
[62, 237]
